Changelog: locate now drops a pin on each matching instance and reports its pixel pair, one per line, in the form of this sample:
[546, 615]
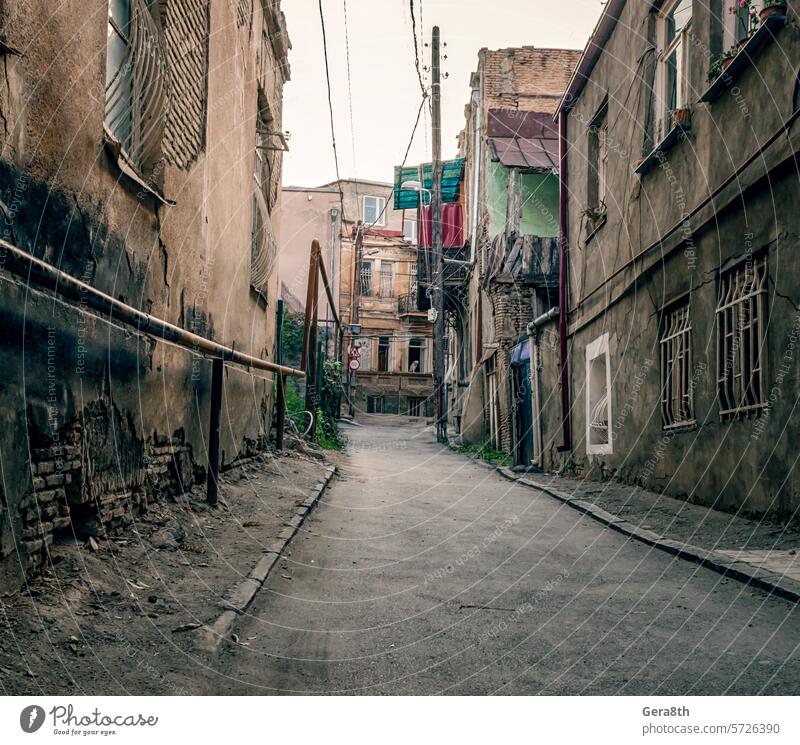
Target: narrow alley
[422, 572]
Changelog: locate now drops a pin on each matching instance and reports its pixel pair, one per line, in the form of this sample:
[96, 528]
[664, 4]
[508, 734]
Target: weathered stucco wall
[635, 264]
[93, 411]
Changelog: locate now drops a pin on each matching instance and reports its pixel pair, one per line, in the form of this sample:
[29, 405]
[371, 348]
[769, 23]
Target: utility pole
[437, 283]
[355, 293]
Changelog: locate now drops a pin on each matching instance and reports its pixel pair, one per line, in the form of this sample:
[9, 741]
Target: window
[412, 278]
[673, 62]
[416, 407]
[598, 398]
[416, 354]
[374, 404]
[410, 229]
[383, 354]
[741, 335]
[738, 23]
[366, 279]
[598, 159]
[677, 396]
[136, 82]
[266, 176]
[387, 279]
[374, 211]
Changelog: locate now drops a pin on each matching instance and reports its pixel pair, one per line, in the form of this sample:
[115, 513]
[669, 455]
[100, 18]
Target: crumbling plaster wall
[741, 463]
[63, 199]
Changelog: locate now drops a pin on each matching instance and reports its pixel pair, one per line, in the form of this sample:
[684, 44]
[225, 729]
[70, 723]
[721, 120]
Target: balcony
[413, 303]
[523, 258]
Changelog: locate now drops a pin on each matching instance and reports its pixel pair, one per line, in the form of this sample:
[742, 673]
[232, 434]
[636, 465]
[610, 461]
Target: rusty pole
[215, 417]
[280, 417]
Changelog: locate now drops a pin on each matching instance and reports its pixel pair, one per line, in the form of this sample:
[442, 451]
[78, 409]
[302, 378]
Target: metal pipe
[29, 268]
[533, 341]
[563, 276]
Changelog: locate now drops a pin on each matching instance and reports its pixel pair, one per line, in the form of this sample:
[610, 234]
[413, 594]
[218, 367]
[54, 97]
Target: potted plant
[682, 117]
[596, 215]
[772, 8]
[747, 19]
[727, 58]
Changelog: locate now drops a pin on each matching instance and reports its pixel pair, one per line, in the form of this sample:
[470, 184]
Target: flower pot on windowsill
[682, 118]
[772, 9]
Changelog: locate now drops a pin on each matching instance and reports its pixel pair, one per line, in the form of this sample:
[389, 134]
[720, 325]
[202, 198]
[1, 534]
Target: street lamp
[416, 186]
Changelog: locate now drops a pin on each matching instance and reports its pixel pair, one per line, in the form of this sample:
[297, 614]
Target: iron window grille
[137, 82]
[677, 395]
[264, 247]
[741, 336]
[365, 279]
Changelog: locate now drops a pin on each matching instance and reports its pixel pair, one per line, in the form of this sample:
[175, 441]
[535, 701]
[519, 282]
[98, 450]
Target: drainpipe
[533, 341]
[563, 275]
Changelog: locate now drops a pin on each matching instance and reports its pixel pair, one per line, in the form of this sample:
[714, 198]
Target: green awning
[408, 199]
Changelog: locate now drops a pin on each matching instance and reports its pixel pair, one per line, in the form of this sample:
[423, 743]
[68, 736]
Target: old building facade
[679, 309]
[510, 277]
[378, 273]
[140, 152]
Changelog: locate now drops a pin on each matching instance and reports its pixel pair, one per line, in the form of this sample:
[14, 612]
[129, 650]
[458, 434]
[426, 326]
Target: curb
[772, 583]
[238, 598]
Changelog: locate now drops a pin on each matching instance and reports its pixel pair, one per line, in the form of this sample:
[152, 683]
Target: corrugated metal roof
[523, 139]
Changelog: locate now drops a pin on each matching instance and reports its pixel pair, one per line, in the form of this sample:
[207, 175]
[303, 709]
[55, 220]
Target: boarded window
[677, 397]
[741, 336]
[186, 26]
[264, 247]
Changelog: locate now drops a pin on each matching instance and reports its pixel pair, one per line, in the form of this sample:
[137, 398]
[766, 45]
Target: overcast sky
[385, 89]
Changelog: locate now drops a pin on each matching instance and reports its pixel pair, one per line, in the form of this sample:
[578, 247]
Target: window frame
[598, 349]
[680, 47]
[385, 272]
[597, 144]
[366, 272]
[676, 366]
[380, 210]
[413, 222]
[737, 293]
[386, 364]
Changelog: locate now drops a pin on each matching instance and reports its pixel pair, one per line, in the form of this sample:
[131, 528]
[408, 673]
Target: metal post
[215, 417]
[312, 375]
[280, 418]
[436, 240]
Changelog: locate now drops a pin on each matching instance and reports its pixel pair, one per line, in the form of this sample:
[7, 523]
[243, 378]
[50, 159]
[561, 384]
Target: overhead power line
[416, 45]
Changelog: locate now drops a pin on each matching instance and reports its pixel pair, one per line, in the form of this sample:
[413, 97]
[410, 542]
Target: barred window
[264, 247]
[741, 335]
[136, 83]
[677, 396]
[366, 279]
[387, 279]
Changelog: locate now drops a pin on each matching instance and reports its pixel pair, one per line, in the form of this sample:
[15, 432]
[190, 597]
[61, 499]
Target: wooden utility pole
[280, 419]
[355, 294]
[437, 280]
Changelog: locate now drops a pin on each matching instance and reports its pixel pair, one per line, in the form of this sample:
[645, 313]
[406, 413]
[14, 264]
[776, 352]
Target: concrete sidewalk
[762, 553]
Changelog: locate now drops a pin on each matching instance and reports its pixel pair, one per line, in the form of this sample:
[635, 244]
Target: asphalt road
[421, 572]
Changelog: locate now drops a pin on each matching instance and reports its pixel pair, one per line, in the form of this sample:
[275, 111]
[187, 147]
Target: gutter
[533, 340]
[563, 275]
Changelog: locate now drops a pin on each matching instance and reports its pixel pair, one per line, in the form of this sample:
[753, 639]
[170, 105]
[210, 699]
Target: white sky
[385, 88]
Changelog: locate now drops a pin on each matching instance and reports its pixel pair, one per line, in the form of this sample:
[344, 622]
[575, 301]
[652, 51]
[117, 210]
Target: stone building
[679, 310]
[511, 149]
[140, 151]
[394, 339]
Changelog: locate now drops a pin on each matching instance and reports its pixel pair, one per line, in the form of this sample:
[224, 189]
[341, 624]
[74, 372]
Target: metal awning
[523, 139]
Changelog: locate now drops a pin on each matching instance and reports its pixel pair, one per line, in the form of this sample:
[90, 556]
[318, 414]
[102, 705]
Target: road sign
[354, 364]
